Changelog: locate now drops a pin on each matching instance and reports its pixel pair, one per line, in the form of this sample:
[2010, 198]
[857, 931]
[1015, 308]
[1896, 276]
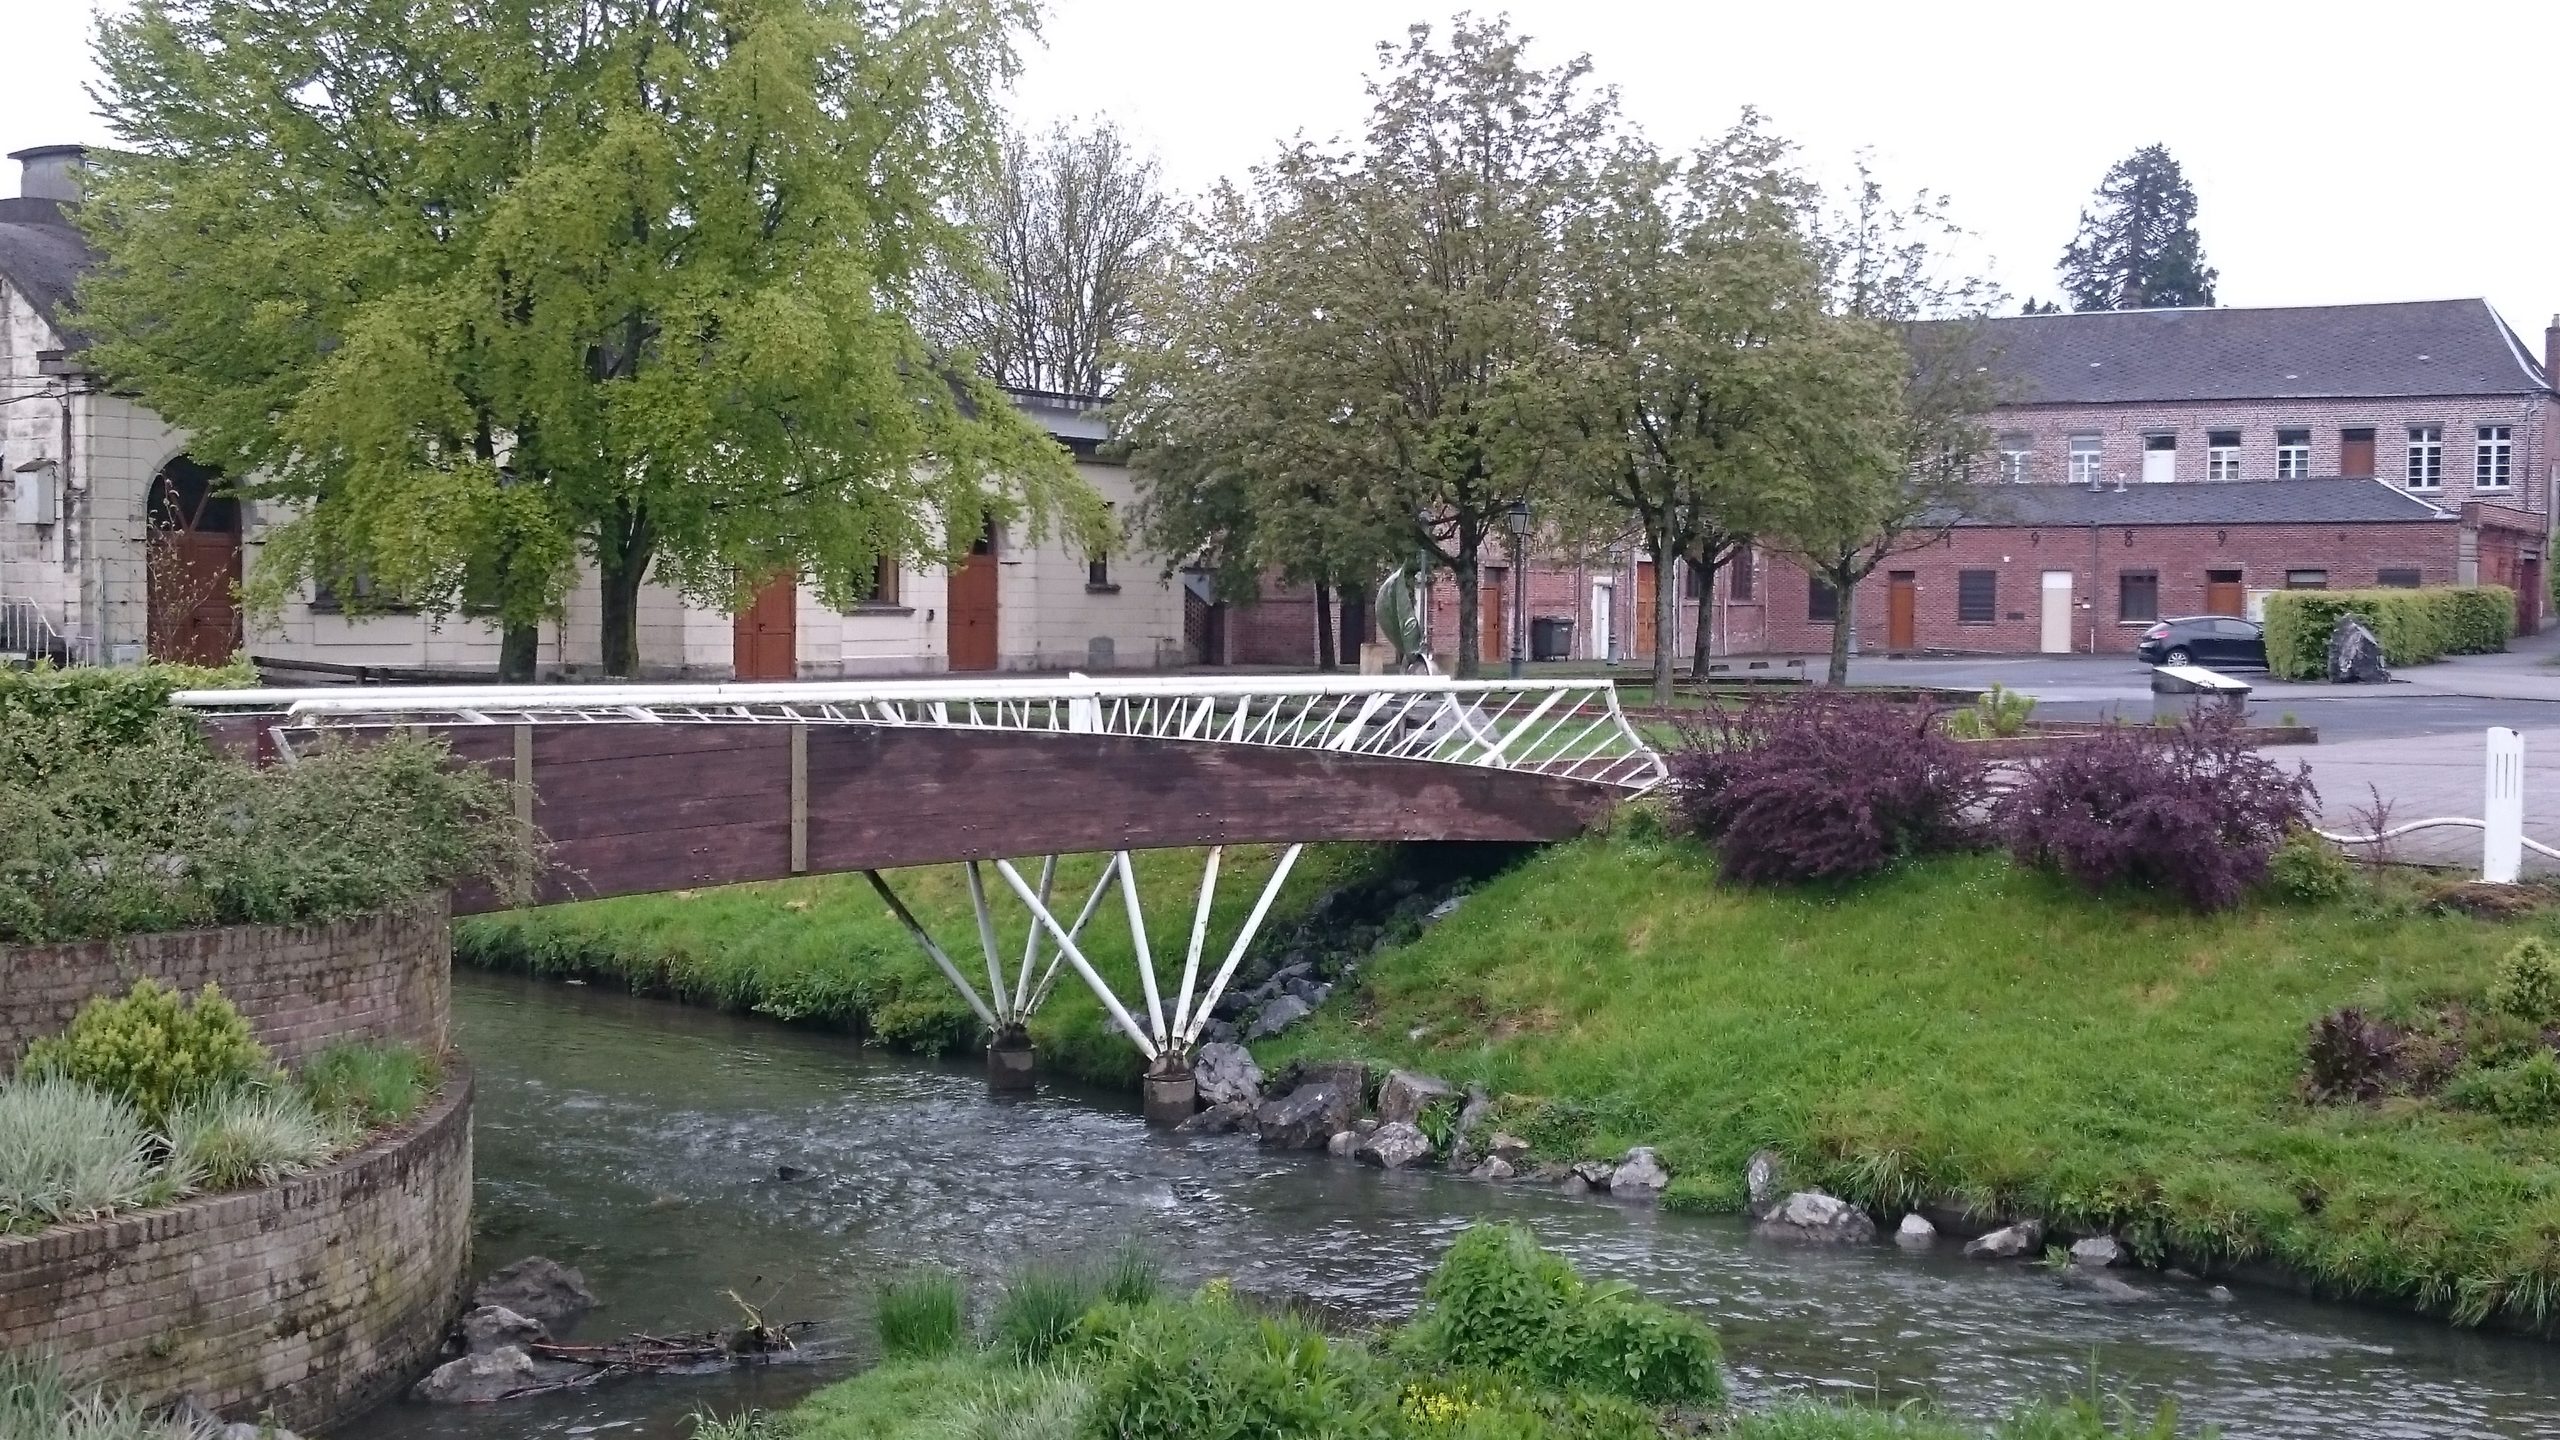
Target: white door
[2057, 612]
[1601, 613]
[2160, 462]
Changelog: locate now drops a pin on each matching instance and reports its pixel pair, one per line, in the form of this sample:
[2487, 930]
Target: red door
[971, 611]
[1491, 638]
[765, 644]
[1902, 610]
[1646, 628]
[192, 566]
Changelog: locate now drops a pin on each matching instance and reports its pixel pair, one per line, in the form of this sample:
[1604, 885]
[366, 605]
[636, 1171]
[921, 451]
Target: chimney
[2551, 352]
[50, 172]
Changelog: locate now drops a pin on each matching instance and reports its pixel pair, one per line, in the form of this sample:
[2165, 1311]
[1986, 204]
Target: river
[642, 1143]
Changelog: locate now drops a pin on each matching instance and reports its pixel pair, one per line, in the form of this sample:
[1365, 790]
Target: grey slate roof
[41, 256]
[2194, 502]
[2424, 347]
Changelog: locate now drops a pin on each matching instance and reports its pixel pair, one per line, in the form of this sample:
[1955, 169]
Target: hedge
[2415, 626]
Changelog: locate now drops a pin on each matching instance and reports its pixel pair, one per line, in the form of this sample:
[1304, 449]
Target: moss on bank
[824, 950]
[1964, 1031]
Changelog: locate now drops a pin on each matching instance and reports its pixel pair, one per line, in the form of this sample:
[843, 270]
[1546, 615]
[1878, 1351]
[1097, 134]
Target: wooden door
[192, 567]
[765, 641]
[2355, 454]
[1645, 600]
[971, 610]
[1902, 611]
[2222, 593]
[1492, 639]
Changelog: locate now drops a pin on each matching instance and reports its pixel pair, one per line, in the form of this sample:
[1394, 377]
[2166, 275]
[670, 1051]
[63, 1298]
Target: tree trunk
[622, 561]
[1356, 628]
[1701, 654]
[1843, 615]
[1324, 625]
[1470, 613]
[1666, 615]
[518, 647]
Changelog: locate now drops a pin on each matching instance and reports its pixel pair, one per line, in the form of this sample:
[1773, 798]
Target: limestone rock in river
[2098, 1251]
[1306, 1117]
[505, 1371]
[1506, 1146]
[1915, 1233]
[1405, 1093]
[1495, 1168]
[491, 1326]
[1218, 1120]
[1275, 1016]
[2008, 1242]
[1344, 1144]
[1395, 1145]
[1226, 1075]
[1639, 1175]
[1594, 1173]
[245, 1430]
[1764, 1183]
[1816, 1218]
[2099, 1283]
[538, 1289]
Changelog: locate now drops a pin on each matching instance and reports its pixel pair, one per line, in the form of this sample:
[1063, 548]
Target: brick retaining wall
[312, 1299]
[303, 987]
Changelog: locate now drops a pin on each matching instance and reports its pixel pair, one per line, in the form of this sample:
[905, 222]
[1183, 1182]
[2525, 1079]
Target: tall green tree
[1404, 353]
[479, 288]
[2137, 248]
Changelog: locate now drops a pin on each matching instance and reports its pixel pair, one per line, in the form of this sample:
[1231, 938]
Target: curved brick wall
[313, 1299]
[388, 975]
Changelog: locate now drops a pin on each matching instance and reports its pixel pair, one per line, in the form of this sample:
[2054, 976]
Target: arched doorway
[193, 565]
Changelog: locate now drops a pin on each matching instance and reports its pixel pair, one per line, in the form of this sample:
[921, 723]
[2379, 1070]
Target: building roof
[42, 255]
[2211, 502]
[2109, 357]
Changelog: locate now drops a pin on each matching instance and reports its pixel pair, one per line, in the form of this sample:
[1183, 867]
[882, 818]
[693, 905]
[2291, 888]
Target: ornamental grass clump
[154, 1048]
[69, 1153]
[1825, 788]
[365, 1086]
[922, 1316]
[2191, 811]
[37, 1404]
[249, 1135]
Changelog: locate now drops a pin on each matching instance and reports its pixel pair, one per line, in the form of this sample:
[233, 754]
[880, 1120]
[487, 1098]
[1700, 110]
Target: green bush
[1500, 1302]
[365, 1086]
[2310, 870]
[1041, 1304]
[1210, 1372]
[2528, 982]
[234, 1138]
[1998, 713]
[2414, 626]
[153, 1048]
[2526, 1092]
[69, 1153]
[921, 1316]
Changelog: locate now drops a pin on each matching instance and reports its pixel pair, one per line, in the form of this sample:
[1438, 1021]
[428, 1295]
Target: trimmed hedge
[2415, 626]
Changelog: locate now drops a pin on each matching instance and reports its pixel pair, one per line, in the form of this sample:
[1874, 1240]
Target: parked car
[2207, 640]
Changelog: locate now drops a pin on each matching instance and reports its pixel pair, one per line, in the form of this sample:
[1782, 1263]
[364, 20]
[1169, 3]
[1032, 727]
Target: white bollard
[2502, 831]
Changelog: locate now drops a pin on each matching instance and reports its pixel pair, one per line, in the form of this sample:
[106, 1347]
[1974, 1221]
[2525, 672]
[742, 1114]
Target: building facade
[115, 545]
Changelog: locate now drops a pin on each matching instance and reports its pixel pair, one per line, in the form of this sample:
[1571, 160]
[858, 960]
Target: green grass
[825, 951]
[921, 1316]
[1961, 1030]
[367, 1085]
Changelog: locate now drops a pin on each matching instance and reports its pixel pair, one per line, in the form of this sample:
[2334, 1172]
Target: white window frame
[2293, 458]
[2425, 470]
[2014, 461]
[2221, 462]
[2088, 453]
[2493, 458]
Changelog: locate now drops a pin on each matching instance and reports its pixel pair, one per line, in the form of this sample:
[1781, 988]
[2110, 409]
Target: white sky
[2341, 151]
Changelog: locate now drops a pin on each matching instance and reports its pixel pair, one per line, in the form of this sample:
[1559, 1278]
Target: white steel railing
[1572, 728]
[29, 636]
[2502, 838]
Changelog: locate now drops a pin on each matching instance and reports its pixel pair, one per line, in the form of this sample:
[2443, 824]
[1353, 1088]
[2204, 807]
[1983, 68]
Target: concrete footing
[1171, 1098]
[1009, 1067]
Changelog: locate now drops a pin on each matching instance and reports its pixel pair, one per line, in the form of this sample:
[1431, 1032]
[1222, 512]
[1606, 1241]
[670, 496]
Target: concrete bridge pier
[1171, 1094]
[1011, 1061]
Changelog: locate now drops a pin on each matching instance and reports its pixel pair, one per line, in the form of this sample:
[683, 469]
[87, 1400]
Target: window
[369, 599]
[2426, 457]
[2293, 454]
[2402, 579]
[2137, 595]
[2086, 452]
[1097, 566]
[884, 582]
[2306, 579]
[1977, 597]
[1821, 602]
[2493, 464]
[1745, 561]
[2222, 455]
[2017, 454]
[2159, 459]
[2355, 453]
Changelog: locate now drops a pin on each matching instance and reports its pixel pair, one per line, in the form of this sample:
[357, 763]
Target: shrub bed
[1825, 788]
[2415, 626]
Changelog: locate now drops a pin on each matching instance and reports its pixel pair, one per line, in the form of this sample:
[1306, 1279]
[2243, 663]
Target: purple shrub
[1825, 788]
[2193, 810]
[2351, 1056]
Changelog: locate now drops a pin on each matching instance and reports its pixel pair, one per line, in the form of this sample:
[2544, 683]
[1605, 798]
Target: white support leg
[950, 971]
[1031, 947]
[1092, 902]
[1075, 957]
[2502, 836]
[1138, 942]
[1199, 936]
[996, 992]
[1244, 938]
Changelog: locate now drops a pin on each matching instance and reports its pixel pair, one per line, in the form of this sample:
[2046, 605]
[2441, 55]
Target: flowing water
[642, 1143]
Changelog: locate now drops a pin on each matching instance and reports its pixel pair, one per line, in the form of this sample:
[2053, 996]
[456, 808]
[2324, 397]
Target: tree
[1071, 229]
[1705, 372]
[478, 287]
[1388, 313]
[2138, 248]
[1899, 457]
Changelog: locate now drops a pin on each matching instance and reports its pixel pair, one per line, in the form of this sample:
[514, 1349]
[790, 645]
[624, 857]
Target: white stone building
[116, 546]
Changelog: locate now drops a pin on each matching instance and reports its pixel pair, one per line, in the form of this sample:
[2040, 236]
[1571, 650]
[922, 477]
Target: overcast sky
[2335, 158]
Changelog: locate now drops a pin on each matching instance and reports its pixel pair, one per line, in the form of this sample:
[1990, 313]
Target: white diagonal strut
[950, 971]
[1244, 938]
[1083, 967]
[1199, 934]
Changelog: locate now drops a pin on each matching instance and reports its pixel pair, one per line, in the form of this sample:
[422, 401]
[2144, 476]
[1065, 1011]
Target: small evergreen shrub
[2528, 982]
[921, 1316]
[69, 1153]
[1999, 713]
[247, 1135]
[365, 1086]
[2191, 810]
[153, 1047]
[2309, 870]
[1824, 788]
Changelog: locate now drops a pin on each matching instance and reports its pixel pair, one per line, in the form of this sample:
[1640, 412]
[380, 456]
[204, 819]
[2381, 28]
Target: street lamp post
[1520, 521]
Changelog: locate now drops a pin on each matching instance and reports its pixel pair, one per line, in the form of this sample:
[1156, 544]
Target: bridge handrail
[359, 698]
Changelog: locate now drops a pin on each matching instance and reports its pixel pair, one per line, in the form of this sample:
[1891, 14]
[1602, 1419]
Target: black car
[2204, 640]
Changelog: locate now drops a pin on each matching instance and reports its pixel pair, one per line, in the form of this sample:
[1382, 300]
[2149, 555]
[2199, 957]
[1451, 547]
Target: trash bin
[2178, 691]
[1551, 637]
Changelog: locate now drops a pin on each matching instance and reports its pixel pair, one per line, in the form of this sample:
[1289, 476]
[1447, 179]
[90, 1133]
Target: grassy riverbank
[824, 950]
[1962, 1031]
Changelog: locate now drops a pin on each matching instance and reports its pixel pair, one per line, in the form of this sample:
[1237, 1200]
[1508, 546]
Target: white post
[1138, 942]
[2502, 834]
[996, 992]
[1199, 938]
[1075, 957]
